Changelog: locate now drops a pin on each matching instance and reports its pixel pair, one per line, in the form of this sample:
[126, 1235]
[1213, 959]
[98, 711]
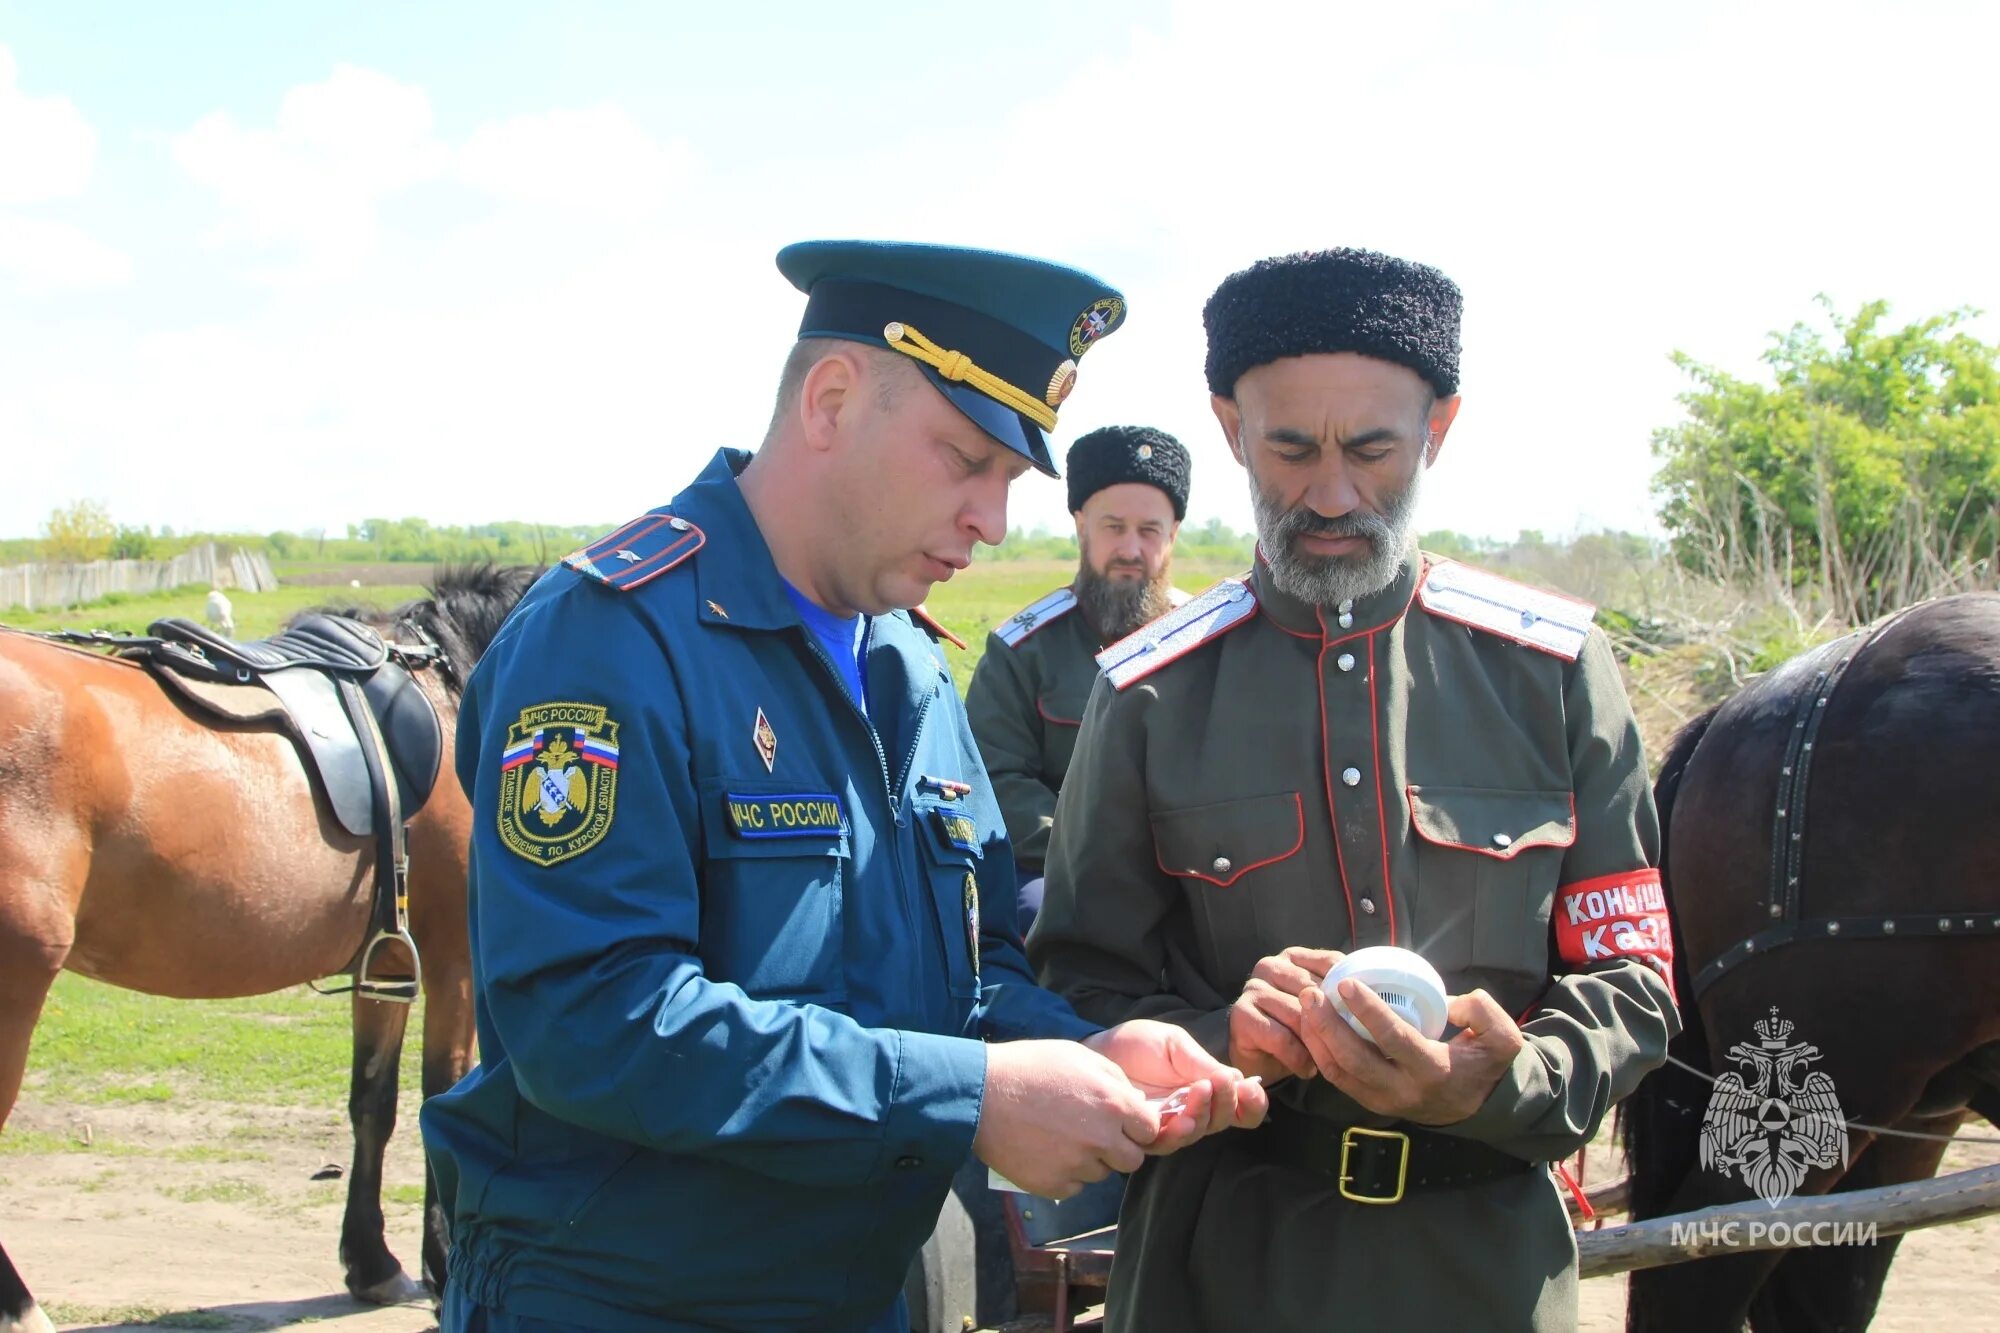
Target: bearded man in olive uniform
[1128, 492]
[1360, 744]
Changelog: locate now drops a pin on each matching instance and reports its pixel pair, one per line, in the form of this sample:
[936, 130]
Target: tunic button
[908, 1163]
[678, 524]
[1368, 906]
[1351, 776]
[1347, 606]
[1346, 620]
[1502, 841]
[1222, 865]
[1345, 661]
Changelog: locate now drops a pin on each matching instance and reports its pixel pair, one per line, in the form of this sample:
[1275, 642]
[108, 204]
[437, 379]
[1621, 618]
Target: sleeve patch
[558, 781]
[1616, 916]
[1547, 621]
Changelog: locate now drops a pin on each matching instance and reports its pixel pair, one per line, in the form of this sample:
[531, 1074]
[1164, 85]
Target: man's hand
[1161, 1059]
[1266, 1022]
[1405, 1074]
[1056, 1117]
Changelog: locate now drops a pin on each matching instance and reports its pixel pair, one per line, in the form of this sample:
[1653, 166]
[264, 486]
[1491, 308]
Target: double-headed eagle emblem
[1772, 1119]
[558, 781]
[556, 788]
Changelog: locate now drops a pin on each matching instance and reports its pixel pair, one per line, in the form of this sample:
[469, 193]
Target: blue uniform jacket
[734, 948]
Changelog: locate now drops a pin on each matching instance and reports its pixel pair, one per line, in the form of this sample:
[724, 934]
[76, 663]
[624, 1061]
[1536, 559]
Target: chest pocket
[952, 854]
[772, 896]
[1239, 863]
[1488, 862]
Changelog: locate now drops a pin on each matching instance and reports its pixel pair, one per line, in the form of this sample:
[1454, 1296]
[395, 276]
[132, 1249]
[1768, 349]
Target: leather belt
[1370, 1165]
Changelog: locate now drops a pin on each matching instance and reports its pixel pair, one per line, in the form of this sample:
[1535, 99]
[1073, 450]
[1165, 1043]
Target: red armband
[1616, 916]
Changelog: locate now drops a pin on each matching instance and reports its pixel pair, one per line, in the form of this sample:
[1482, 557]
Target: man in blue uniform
[749, 989]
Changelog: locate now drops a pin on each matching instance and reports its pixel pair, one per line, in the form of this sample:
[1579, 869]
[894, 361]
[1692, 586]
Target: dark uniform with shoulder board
[1449, 764]
[1028, 694]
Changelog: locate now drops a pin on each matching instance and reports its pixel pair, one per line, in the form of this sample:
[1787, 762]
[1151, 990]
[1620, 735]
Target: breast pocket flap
[1492, 822]
[1222, 843]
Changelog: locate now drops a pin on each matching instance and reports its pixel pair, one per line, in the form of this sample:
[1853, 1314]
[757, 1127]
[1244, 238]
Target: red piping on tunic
[1381, 815]
[1326, 771]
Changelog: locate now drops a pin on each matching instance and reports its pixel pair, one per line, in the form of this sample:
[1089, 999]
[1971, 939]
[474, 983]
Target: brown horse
[1832, 851]
[170, 855]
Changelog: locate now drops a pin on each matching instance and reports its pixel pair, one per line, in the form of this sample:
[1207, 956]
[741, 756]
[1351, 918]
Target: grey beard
[1119, 606]
[1326, 580]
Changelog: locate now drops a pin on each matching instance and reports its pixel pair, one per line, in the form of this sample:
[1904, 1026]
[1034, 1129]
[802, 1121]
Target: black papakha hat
[1334, 301]
[1112, 455]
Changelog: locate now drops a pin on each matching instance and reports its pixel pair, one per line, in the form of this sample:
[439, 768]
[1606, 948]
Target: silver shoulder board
[1023, 623]
[1178, 632]
[1547, 621]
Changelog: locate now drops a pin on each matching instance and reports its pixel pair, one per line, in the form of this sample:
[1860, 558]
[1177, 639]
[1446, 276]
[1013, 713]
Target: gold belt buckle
[1347, 1138]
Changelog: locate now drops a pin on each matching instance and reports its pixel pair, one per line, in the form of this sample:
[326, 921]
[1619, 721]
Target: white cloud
[316, 179]
[47, 152]
[596, 160]
[1605, 185]
[56, 254]
[46, 146]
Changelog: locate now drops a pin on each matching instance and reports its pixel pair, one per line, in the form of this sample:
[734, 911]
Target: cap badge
[1060, 384]
[1101, 318]
[1145, 452]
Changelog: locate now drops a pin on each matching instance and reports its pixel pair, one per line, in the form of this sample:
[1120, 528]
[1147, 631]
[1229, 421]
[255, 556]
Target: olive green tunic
[1026, 704]
[1372, 774]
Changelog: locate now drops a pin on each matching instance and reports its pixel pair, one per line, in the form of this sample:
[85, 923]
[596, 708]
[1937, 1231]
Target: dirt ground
[208, 1218]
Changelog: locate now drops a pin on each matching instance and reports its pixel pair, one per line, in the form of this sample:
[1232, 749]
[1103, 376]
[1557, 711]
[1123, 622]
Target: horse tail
[1660, 1123]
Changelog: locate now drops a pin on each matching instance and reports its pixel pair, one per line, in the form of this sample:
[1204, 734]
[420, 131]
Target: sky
[296, 265]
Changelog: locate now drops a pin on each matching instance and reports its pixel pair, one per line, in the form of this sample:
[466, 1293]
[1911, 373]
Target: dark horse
[167, 854]
[1831, 839]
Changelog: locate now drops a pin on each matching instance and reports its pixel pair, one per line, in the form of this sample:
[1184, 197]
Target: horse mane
[465, 609]
[1658, 1125]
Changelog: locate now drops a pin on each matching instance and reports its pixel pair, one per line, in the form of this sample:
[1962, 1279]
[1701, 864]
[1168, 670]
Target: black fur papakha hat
[1334, 301]
[1115, 454]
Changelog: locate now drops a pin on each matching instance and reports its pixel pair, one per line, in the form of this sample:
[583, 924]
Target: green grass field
[258, 614]
[97, 1044]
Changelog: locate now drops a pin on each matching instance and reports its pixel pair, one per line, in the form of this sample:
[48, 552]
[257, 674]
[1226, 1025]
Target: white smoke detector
[1400, 978]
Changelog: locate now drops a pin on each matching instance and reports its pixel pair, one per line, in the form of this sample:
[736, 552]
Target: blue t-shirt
[843, 637]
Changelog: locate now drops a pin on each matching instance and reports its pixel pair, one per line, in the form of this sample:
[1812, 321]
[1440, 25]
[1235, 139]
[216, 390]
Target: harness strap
[1784, 896]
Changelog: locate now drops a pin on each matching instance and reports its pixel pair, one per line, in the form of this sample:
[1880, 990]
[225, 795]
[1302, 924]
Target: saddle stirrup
[390, 917]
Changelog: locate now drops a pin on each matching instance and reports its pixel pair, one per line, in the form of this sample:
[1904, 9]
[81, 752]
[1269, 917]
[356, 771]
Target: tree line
[1861, 474]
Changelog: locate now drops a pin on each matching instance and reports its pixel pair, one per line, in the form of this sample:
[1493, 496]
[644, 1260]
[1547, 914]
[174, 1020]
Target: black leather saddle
[303, 666]
[370, 735]
[323, 642]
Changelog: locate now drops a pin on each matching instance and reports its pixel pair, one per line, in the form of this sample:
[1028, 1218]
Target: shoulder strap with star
[1546, 621]
[639, 552]
[1037, 614]
[1178, 632]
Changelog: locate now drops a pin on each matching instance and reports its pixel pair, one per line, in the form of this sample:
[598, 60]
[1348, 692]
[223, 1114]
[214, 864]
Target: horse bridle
[428, 652]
